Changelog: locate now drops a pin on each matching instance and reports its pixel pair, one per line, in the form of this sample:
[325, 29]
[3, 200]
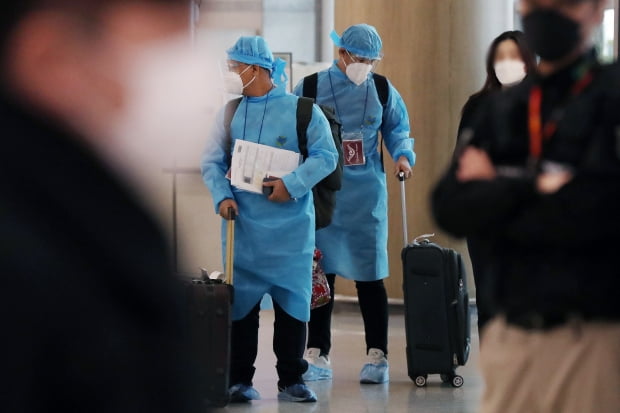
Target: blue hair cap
[361, 40]
[253, 50]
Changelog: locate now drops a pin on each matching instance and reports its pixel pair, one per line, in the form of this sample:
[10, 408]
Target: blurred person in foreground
[90, 313]
[540, 182]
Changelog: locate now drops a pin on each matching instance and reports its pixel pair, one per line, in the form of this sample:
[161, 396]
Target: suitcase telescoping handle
[403, 201]
[230, 245]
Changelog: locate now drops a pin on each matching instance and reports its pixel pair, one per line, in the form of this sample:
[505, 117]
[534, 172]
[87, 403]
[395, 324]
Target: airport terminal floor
[344, 394]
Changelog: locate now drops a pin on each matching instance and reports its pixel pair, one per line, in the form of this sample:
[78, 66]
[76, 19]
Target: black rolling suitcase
[437, 322]
[209, 308]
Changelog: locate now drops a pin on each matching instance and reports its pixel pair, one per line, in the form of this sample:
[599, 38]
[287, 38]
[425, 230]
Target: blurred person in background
[509, 61]
[90, 312]
[540, 181]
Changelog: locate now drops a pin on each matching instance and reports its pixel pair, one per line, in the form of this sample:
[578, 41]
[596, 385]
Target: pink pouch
[320, 288]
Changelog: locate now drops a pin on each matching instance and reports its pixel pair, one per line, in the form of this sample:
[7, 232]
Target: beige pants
[570, 369]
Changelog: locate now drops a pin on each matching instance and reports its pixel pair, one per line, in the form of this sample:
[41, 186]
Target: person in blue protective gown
[355, 244]
[275, 234]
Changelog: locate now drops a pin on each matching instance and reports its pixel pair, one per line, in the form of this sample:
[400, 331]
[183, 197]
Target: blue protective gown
[274, 242]
[355, 244]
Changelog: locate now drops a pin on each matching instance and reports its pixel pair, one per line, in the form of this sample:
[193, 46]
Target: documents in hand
[252, 162]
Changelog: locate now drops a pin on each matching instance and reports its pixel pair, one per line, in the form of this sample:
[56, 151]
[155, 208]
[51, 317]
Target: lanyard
[540, 132]
[245, 121]
[336, 102]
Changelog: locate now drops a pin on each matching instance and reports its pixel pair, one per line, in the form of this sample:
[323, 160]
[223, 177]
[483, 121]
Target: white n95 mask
[510, 71]
[358, 72]
[233, 83]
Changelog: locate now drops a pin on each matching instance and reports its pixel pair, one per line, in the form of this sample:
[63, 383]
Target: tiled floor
[344, 394]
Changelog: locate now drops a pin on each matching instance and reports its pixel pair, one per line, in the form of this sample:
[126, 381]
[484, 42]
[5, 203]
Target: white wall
[289, 26]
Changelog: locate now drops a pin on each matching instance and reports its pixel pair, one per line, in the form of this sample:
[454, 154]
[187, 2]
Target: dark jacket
[553, 255]
[479, 249]
[90, 314]
[471, 109]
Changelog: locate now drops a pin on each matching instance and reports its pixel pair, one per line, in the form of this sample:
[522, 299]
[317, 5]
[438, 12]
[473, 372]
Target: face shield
[364, 60]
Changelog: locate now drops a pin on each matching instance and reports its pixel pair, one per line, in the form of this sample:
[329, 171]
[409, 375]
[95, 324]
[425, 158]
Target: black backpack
[381, 84]
[325, 191]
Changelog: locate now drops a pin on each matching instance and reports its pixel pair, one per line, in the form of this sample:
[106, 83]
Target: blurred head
[70, 58]
[509, 60]
[119, 73]
[359, 51]
[560, 30]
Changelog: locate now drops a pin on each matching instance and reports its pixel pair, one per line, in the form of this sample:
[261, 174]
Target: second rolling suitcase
[437, 322]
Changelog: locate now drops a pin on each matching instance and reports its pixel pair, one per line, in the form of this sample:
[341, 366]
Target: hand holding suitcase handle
[225, 206]
[232, 215]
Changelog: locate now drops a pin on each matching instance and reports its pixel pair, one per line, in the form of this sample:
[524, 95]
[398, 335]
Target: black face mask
[551, 35]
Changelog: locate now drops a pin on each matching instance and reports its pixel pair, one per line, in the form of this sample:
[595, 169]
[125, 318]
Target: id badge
[353, 149]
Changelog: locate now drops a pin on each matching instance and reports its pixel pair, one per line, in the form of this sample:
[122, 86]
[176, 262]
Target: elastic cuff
[294, 186]
[385, 353]
[411, 156]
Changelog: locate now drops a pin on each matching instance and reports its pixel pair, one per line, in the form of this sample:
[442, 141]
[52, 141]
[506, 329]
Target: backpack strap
[304, 116]
[383, 91]
[229, 113]
[311, 84]
[383, 88]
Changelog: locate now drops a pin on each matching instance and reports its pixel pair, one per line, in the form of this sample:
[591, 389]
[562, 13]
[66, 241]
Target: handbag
[321, 294]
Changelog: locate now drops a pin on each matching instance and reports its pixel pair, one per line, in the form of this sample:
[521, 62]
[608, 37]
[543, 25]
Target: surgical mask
[550, 34]
[233, 83]
[358, 72]
[510, 71]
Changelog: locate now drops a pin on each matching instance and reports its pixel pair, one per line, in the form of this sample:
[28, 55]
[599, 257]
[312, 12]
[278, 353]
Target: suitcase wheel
[457, 381]
[420, 381]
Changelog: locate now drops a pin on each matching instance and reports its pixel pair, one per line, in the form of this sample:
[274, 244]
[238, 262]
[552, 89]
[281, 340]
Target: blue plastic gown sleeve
[214, 163]
[322, 157]
[395, 128]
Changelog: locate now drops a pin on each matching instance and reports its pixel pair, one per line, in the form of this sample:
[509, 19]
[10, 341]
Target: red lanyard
[540, 132]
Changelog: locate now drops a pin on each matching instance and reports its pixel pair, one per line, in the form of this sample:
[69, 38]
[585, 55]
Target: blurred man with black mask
[539, 181]
[91, 315]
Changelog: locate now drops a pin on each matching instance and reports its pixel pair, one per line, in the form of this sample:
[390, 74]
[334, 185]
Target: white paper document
[252, 162]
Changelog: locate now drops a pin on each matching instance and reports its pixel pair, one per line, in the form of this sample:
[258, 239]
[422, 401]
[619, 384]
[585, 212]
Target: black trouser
[374, 306]
[479, 255]
[289, 337]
